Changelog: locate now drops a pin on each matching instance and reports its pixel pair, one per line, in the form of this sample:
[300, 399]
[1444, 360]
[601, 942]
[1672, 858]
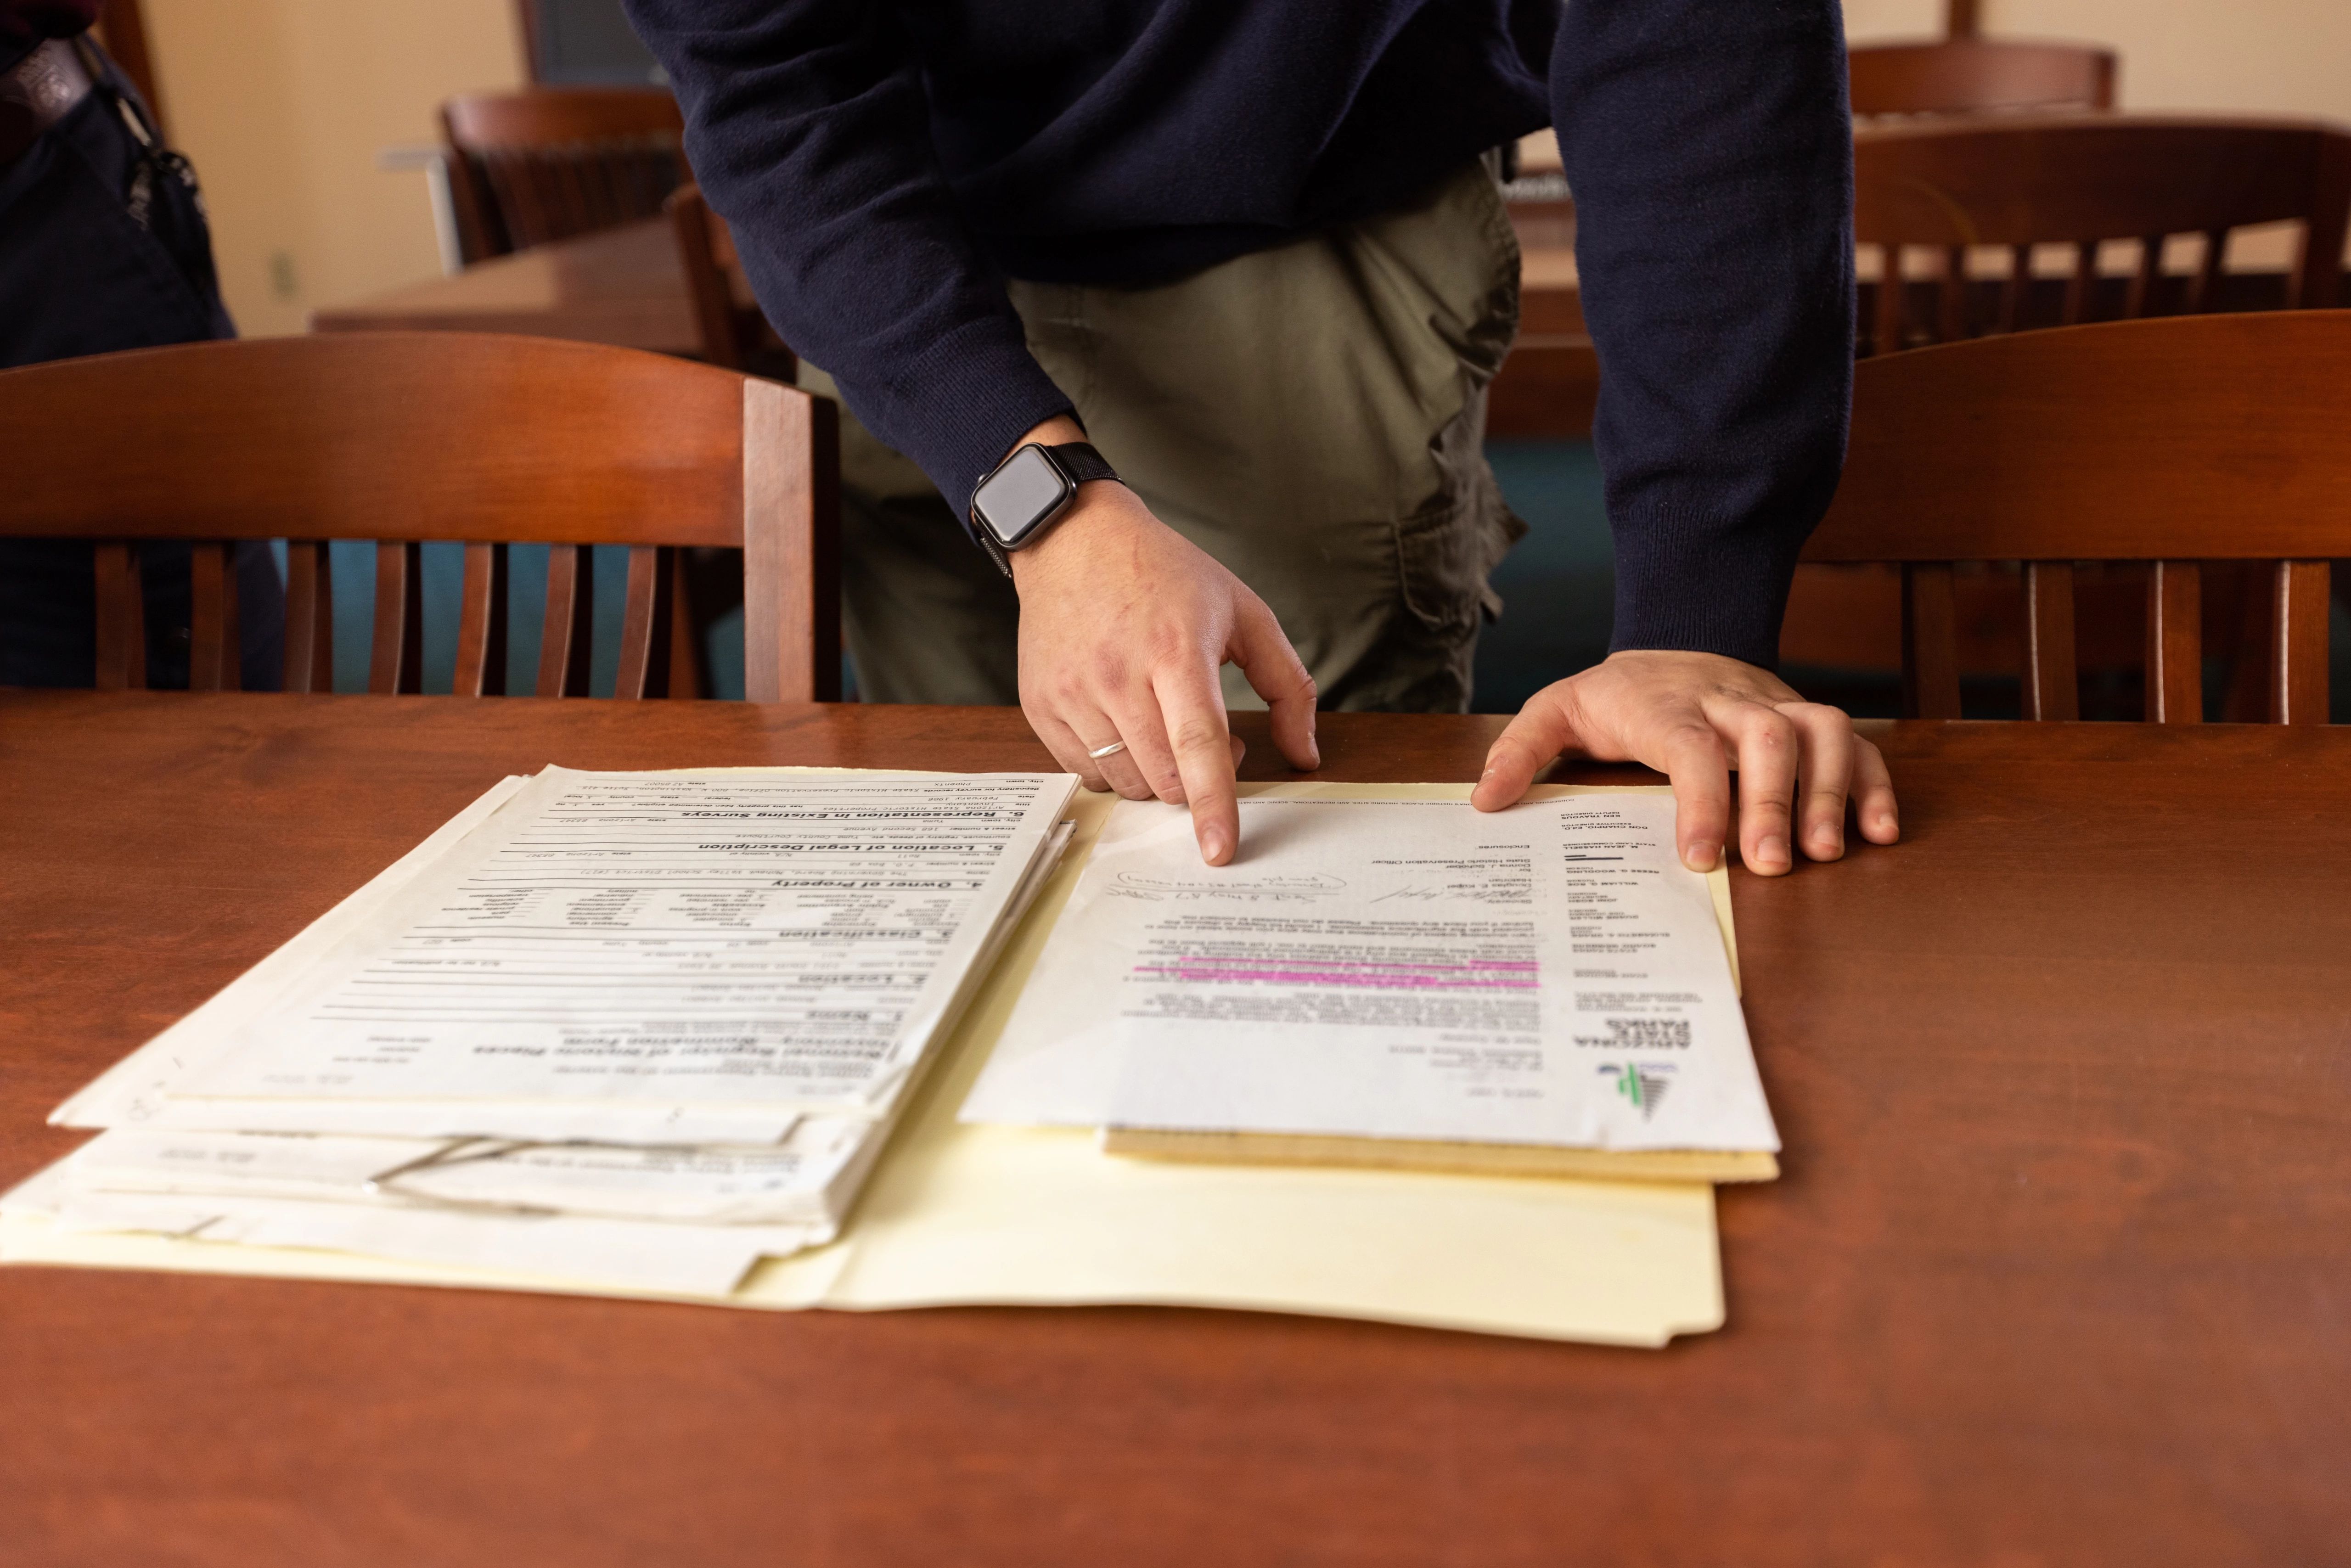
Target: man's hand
[1124, 624]
[1694, 717]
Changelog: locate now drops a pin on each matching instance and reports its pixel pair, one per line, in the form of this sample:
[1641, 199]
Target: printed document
[754, 938]
[956, 1213]
[784, 1184]
[1549, 973]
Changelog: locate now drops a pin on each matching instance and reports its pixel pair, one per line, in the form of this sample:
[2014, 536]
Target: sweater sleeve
[1709, 147]
[807, 127]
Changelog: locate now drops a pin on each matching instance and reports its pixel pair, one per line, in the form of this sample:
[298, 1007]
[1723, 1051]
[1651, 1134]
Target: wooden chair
[734, 335]
[2169, 441]
[1948, 188]
[529, 168]
[1976, 76]
[409, 437]
[1951, 188]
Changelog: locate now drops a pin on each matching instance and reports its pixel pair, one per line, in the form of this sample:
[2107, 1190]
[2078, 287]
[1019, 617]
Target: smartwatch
[1014, 505]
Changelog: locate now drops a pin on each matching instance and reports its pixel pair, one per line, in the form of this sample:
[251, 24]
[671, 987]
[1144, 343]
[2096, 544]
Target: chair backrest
[1978, 76]
[408, 437]
[529, 168]
[732, 334]
[1951, 187]
[2169, 441]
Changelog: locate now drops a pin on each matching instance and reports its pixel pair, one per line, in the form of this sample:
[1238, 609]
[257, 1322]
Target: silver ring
[1112, 749]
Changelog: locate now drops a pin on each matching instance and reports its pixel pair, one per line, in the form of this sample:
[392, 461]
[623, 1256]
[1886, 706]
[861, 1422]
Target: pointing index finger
[1194, 709]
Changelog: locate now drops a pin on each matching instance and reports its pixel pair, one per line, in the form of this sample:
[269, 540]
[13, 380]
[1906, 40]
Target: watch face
[1016, 499]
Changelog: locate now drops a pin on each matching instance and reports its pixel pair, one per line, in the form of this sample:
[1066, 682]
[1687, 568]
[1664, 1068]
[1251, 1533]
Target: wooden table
[624, 285]
[2059, 1271]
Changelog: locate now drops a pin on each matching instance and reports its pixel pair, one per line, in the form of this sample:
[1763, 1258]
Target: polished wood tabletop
[2058, 1272]
[625, 285]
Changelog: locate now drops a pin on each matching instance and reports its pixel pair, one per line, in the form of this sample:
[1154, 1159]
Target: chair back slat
[792, 487]
[1952, 304]
[2238, 601]
[524, 208]
[2318, 264]
[689, 659]
[396, 664]
[2173, 442]
[309, 618]
[593, 189]
[1930, 666]
[646, 643]
[1972, 76]
[2203, 288]
[2079, 282]
[564, 638]
[1885, 336]
[2051, 680]
[481, 669]
[2298, 665]
[2175, 643]
[212, 618]
[121, 619]
[2013, 287]
[2139, 301]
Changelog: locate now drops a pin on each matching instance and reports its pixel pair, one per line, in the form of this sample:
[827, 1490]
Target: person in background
[103, 246]
[1188, 308]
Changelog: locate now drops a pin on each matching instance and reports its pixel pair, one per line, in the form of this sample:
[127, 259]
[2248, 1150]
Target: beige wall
[2265, 56]
[284, 105]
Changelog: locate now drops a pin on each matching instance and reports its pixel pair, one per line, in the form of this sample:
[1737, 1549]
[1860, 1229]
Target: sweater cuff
[1685, 587]
[959, 407]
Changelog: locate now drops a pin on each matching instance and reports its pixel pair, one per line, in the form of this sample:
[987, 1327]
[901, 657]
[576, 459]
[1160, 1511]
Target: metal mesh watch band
[1081, 462]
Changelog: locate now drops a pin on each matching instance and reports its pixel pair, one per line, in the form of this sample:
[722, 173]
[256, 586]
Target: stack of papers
[645, 1029]
[1404, 983]
[955, 1211]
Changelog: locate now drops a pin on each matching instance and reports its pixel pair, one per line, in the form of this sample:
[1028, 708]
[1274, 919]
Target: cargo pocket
[1443, 555]
[1446, 550]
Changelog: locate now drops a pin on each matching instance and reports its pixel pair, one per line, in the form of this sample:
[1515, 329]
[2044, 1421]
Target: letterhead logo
[1643, 1083]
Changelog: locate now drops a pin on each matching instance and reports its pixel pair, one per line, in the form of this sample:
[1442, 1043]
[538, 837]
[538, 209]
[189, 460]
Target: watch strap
[1081, 462]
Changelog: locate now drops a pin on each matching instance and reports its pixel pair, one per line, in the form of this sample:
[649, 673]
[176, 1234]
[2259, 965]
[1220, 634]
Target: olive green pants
[1313, 416]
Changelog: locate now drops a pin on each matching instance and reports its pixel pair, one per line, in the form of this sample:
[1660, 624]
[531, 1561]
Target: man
[103, 246]
[1249, 252]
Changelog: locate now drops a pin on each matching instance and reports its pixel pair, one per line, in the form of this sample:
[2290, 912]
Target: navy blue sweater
[886, 165]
